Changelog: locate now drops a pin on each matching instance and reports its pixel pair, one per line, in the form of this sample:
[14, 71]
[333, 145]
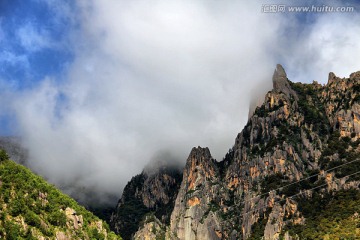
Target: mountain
[85, 196]
[292, 173]
[148, 197]
[31, 208]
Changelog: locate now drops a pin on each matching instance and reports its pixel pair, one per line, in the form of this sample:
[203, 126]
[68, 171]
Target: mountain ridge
[299, 130]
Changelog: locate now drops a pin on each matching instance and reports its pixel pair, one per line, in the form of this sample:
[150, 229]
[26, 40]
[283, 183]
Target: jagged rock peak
[281, 83]
[199, 154]
[279, 78]
[332, 77]
[355, 75]
[163, 165]
[279, 73]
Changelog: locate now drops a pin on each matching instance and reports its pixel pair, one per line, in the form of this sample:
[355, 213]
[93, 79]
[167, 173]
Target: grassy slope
[26, 214]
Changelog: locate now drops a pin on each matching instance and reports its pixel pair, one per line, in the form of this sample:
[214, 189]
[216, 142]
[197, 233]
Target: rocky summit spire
[279, 74]
[281, 83]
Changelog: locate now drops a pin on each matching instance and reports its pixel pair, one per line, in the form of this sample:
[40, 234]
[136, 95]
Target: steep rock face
[286, 139]
[281, 83]
[152, 229]
[148, 192]
[291, 152]
[342, 105]
[193, 216]
[291, 136]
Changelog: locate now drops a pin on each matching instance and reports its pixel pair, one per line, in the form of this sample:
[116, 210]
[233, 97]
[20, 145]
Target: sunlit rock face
[192, 217]
[298, 131]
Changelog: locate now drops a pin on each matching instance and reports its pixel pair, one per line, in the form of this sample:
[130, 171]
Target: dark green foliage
[272, 182]
[261, 111]
[12, 231]
[3, 155]
[102, 211]
[246, 135]
[283, 186]
[329, 214]
[18, 206]
[312, 108]
[356, 90]
[257, 230]
[95, 234]
[32, 219]
[338, 145]
[229, 158]
[132, 209]
[57, 218]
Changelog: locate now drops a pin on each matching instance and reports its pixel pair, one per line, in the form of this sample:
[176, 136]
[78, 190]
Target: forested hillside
[31, 208]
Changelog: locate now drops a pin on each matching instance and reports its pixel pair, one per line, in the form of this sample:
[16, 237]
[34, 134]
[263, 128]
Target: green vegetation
[339, 146]
[3, 155]
[283, 186]
[263, 112]
[312, 107]
[132, 210]
[31, 208]
[332, 216]
[257, 230]
[272, 182]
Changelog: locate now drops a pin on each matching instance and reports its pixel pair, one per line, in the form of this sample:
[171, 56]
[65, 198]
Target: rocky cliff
[148, 196]
[300, 146]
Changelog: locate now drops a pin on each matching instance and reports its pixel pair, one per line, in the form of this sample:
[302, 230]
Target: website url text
[280, 8]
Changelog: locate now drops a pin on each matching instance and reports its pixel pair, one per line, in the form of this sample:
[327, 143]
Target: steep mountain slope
[148, 197]
[299, 149]
[88, 197]
[30, 208]
[300, 130]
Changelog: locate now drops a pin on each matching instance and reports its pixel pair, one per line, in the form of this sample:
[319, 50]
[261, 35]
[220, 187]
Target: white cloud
[331, 44]
[146, 78]
[161, 76]
[33, 39]
[13, 59]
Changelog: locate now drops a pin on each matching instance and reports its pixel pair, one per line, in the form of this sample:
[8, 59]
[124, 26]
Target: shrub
[3, 155]
[32, 219]
[57, 218]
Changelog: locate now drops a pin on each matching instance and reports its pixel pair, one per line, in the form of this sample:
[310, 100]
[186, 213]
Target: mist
[152, 80]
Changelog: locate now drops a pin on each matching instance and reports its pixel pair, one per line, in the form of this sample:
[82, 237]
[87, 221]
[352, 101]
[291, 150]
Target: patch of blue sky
[34, 40]
[8, 125]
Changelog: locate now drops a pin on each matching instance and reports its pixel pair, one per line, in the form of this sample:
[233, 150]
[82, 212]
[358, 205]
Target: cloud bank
[165, 76]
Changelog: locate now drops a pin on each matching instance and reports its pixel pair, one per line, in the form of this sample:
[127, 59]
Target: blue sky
[34, 42]
[86, 84]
